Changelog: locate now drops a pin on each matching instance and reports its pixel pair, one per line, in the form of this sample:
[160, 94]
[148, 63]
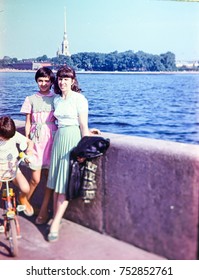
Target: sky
[30, 29]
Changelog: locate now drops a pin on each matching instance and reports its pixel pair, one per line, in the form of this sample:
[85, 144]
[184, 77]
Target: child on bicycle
[9, 138]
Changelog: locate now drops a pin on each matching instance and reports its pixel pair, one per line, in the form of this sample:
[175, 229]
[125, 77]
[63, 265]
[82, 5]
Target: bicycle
[10, 207]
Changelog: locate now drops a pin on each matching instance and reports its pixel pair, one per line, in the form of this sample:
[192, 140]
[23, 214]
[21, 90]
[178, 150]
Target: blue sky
[33, 28]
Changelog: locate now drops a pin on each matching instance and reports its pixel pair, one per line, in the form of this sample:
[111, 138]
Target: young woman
[40, 127]
[71, 112]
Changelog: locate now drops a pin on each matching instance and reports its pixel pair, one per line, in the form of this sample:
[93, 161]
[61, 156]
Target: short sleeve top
[9, 151]
[40, 106]
[67, 110]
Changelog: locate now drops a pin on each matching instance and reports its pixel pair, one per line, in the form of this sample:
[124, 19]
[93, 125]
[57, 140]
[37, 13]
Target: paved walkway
[75, 243]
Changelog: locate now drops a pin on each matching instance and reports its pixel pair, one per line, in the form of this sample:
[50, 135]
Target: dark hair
[45, 72]
[66, 72]
[7, 127]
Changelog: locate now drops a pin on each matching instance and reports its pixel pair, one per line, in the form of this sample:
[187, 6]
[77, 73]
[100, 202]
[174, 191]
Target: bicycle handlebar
[14, 169]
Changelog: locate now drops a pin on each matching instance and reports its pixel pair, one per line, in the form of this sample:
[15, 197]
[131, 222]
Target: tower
[64, 46]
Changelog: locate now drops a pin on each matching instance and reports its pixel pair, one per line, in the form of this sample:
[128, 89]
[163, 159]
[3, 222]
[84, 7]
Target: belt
[37, 132]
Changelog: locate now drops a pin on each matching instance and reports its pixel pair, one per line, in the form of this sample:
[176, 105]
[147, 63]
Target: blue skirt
[66, 138]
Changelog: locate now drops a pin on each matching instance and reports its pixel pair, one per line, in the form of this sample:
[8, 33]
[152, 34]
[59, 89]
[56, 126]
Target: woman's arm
[83, 123]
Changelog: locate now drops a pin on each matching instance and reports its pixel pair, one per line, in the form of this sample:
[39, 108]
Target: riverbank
[5, 70]
[14, 70]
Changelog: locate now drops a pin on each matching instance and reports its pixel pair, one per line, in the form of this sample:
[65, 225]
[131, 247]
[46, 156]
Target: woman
[71, 112]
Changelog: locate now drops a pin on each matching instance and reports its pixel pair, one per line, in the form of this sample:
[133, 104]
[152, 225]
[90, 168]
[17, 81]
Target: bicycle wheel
[12, 237]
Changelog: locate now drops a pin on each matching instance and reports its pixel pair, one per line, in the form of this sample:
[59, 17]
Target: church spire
[65, 46]
[64, 20]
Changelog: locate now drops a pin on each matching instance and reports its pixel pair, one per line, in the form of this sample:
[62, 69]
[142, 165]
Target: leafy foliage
[114, 61]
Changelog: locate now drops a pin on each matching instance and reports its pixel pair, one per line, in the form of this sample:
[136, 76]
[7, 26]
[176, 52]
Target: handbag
[82, 181]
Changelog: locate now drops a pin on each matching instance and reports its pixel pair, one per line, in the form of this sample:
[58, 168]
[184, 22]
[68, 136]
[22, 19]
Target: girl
[71, 111]
[9, 138]
[40, 127]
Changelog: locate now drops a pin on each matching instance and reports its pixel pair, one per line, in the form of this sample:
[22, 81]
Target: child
[9, 138]
[40, 127]
[71, 111]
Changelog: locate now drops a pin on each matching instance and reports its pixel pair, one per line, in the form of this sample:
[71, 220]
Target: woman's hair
[7, 127]
[45, 72]
[66, 72]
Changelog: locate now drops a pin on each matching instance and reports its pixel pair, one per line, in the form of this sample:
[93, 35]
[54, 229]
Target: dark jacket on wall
[82, 175]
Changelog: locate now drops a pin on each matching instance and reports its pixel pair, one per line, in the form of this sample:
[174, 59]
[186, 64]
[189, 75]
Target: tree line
[114, 61]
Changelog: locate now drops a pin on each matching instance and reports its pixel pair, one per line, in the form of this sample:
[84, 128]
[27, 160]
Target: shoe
[2, 229]
[29, 211]
[53, 236]
[40, 220]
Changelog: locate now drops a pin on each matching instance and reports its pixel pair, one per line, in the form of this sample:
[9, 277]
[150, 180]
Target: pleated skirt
[66, 138]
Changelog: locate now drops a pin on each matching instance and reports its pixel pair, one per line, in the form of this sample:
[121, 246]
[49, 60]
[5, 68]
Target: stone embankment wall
[148, 195]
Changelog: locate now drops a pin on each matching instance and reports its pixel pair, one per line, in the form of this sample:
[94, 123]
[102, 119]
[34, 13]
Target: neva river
[161, 106]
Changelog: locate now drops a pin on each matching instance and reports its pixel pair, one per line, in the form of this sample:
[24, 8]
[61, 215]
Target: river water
[161, 106]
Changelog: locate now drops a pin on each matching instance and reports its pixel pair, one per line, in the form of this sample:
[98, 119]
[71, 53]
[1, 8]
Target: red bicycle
[11, 208]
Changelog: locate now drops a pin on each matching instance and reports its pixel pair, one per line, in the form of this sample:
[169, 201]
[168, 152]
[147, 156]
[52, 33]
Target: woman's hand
[94, 131]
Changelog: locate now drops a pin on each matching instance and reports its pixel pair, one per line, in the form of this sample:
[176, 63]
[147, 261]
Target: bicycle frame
[10, 212]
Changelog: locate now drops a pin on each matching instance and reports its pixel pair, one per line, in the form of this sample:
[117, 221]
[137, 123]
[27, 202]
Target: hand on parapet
[94, 131]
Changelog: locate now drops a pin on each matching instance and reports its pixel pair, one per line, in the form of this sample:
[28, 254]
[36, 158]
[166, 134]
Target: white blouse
[67, 110]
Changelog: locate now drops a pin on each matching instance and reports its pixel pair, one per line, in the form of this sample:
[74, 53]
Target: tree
[168, 60]
[42, 58]
[62, 60]
[114, 61]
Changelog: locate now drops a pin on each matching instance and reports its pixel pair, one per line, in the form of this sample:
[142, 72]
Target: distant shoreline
[7, 70]
[15, 70]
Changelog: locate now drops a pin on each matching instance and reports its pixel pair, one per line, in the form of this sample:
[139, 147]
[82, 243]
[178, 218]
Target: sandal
[29, 211]
[40, 220]
[2, 229]
[53, 236]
